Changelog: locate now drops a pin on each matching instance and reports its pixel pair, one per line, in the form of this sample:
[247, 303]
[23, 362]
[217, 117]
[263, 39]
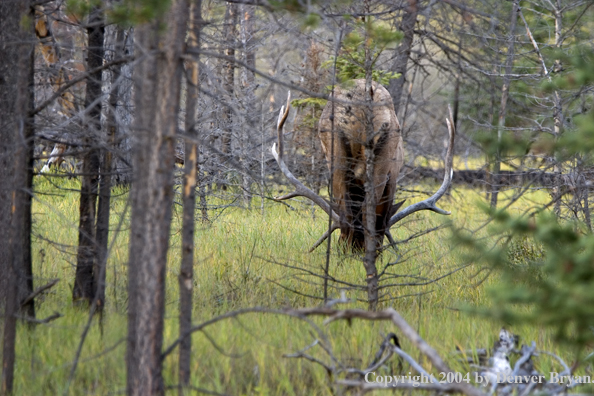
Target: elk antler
[430, 203]
[300, 189]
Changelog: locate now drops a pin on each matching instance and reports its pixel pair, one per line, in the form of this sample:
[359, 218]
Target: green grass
[236, 266]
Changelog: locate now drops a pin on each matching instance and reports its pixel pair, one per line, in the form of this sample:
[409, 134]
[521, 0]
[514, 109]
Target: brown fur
[348, 191]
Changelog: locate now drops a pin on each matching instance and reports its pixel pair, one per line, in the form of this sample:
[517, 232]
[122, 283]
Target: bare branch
[75, 81]
[566, 369]
[535, 45]
[303, 355]
[38, 291]
[414, 364]
[332, 314]
[526, 355]
[29, 319]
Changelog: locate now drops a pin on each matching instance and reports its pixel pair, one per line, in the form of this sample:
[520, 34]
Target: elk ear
[395, 207]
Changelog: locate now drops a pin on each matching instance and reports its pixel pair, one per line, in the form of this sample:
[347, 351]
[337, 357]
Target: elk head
[350, 128]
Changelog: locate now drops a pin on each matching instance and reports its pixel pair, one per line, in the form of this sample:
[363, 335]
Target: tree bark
[228, 81]
[86, 260]
[247, 86]
[17, 46]
[407, 25]
[504, 95]
[122, 161]
[558, 109]
[160, 45]
[103, 206]
[370, 199]
[186, 274]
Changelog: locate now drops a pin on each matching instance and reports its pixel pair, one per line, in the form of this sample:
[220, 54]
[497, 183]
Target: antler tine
[300, 189]
[430, 203]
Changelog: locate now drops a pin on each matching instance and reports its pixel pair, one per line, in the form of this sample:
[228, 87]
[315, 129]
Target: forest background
[142, 249]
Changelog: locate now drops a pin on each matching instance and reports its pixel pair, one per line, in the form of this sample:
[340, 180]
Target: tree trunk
[186, 274]
[558, 109]
[122, 160]
[409, 19]
[370, 199]
[84, 288]
[103, 207]
[228, 82]
[160, 45]
[17, 40]
[248, 86]
[503, 107]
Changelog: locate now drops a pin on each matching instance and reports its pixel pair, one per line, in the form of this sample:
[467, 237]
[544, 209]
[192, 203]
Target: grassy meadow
[247, 258]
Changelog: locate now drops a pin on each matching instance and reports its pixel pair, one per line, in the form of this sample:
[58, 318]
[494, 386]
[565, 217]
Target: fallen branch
[347, 314]
[38, 291]
[29, 319]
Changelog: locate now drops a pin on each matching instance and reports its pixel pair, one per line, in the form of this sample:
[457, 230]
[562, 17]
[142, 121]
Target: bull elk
[343, 128]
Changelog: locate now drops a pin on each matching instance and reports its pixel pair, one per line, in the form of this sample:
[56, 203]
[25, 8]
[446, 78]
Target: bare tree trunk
[84, 288]
[202, 193]
[489, 176]
[586, 205]
[122, 160]
[186, 273]
[409, 19]
[370, 198]
[160, 45]
[17, 46]
[558, 109]
[558, 112]
[247, 83]
[504, 95]
[228, 80]
[103, 207]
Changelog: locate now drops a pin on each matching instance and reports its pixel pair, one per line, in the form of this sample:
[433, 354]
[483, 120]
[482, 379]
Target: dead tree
[228, 84]
[84, 288]
[407, 26]
[504, 95]
[107, 154]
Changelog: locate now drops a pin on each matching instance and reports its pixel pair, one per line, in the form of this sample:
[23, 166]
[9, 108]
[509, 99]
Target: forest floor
[246, 258]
